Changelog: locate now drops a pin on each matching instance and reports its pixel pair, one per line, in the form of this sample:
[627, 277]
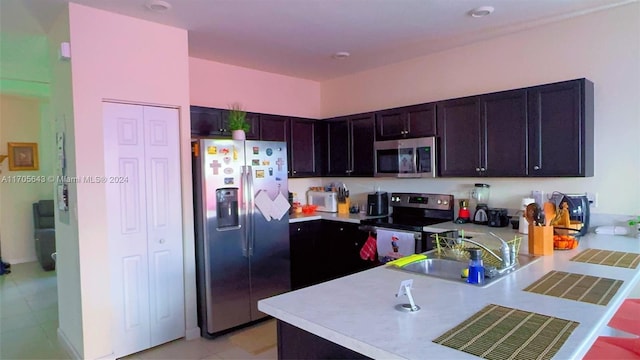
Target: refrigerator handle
[250, 210]
[244, 219]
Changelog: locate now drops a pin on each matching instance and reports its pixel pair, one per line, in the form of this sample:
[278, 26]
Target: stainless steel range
[414, 213]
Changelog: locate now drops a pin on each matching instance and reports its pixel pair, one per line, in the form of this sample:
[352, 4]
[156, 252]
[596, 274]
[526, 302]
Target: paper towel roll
[524, 224]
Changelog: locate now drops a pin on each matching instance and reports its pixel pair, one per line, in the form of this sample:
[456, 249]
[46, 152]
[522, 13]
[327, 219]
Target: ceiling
[299, 37]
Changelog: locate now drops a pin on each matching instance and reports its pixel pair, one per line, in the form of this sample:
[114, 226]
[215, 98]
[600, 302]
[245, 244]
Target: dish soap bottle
[476, 267]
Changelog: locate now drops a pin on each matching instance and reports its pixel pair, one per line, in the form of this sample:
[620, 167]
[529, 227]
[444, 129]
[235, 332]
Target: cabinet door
[459, 133]
[304, 257]
[362, 138]
[421, 120]
[206, 121]
[274, 127]
[504, 140]
[304, 151]
[391, 124]
[338, 147]
[561, 129]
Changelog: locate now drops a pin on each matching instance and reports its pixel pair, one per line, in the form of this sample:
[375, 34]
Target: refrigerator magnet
[228, 171]
[228, 181]
[259, 174]
[256, 150]
[224, 151]
[235, 154]
[212, 150]
[227, 160]
[266, 162]
[255, 162]
[215, 165]
[269, 151]
[270, 171]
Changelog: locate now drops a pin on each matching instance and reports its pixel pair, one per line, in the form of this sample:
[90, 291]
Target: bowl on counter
[309, 209]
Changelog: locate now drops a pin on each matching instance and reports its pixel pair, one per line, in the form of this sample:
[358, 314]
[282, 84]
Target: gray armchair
[45, 233]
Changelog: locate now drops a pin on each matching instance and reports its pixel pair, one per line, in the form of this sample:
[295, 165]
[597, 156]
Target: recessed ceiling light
[340, 55]
[158, 5]
[481, 11]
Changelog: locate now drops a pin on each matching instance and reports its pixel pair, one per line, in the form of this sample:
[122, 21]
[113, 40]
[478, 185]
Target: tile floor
[29, 322]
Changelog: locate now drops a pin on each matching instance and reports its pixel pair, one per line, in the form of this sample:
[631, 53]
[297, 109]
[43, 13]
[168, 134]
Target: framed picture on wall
[23, 156]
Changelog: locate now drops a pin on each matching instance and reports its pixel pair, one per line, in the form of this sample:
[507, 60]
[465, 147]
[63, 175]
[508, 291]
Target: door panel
[164, 224]
[145, 225]
[459, 129]
[124, 156]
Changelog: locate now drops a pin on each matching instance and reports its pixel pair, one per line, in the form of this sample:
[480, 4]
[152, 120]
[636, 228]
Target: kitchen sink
[450, 269]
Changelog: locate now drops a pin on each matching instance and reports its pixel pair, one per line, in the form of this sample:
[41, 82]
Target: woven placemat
[497, 332]
[610, 258]
[579, 287]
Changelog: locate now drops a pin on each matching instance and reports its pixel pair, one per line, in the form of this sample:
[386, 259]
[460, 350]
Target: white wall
[21, 120]
[114, 57]
[602, 46]
[219, 85]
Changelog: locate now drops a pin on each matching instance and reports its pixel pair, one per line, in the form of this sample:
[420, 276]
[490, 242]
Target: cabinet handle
[482, 169]
[299, 229]
[341, 229]
[478, 169]
[294, 171]
[161, 241]
[536, 167]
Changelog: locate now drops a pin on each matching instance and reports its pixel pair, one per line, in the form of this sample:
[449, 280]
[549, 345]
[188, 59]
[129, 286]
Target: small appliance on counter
[578, 207]
[498, 217]
[327, 201]
[481, 194]
[464, 216]
[377, 203]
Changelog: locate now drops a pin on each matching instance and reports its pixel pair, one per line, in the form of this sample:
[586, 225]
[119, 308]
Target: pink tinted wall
[218, 85]
[125, 59]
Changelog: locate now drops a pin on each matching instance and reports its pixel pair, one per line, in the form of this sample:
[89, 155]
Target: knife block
[343, 207]
[540, 240]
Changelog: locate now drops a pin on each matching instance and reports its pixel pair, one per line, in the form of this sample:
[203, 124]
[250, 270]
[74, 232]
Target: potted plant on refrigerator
[238, 122]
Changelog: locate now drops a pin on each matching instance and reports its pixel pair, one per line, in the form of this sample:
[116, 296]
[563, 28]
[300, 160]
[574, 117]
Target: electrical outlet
[593, 199]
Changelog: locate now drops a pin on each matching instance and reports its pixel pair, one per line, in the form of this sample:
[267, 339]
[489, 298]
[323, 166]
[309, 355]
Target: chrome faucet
[507, 255]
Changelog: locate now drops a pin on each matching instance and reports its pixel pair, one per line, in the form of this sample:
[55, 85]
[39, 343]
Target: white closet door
[164, 224]
[127, 219]
[145, 226]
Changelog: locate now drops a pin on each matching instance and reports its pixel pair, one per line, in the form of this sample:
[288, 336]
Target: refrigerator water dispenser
[227, 208]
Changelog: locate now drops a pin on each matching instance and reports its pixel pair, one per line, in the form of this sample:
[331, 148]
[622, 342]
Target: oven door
[420, 245]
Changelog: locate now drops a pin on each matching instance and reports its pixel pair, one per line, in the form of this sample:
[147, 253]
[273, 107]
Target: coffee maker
[377, 204]
[481, 194]
[578, 207]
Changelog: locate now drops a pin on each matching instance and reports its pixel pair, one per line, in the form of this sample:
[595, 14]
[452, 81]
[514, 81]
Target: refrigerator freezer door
[269, 245]
[226, 263]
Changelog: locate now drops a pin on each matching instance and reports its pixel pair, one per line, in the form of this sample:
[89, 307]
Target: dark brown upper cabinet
[406, 122]
[561, 134]
[274, 127]
[350, 145]
[306, 141]
[459, 137]
[207, 121]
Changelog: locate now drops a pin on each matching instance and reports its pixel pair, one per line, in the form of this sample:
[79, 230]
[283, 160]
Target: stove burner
[413, 211]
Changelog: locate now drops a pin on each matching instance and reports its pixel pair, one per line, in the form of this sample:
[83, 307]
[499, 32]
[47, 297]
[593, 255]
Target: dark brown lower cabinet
[295, 343]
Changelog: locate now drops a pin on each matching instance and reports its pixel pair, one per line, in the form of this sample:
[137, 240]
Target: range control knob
[445, 202]
[439, 202]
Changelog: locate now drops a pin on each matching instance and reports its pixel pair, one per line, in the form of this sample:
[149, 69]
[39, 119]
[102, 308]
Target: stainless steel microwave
[406, 158]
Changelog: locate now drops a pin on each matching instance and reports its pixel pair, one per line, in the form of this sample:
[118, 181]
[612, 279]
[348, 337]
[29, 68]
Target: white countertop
[319, 215]
[357, 311]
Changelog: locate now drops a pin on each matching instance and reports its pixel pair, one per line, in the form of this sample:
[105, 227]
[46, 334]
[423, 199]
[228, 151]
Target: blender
[481, 194]
[464, 216]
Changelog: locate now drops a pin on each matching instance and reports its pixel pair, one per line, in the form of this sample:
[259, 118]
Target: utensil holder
[343, 207]
[540, 240]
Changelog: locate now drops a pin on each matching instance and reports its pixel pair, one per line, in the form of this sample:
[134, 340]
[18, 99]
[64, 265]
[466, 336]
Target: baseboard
[192, 334]
[66, 345]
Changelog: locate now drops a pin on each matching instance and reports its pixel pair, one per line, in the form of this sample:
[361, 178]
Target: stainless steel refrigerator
[242, 229]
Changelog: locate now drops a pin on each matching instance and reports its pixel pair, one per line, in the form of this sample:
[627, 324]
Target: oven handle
[374, 229]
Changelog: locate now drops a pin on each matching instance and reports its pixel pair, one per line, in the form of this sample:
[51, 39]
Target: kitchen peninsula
[357, 312]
